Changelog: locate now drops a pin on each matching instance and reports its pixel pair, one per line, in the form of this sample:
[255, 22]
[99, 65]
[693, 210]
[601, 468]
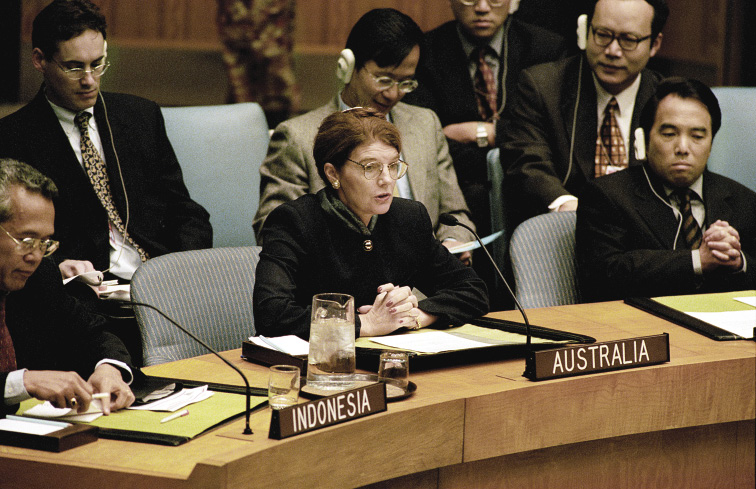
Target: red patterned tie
[7, 352]
[485, 86]
[610, 147]
[95, 168]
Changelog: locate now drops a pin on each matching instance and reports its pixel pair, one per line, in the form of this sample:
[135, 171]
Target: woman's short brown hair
[341, 132]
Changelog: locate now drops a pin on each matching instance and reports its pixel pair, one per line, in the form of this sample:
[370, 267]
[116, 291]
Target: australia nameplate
[597, 357]
[327, 411]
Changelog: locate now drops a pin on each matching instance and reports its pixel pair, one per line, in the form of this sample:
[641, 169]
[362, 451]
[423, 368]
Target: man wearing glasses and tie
[48, 342]
[574, 119]
[122, 198]
[377, 70]
[468, 75]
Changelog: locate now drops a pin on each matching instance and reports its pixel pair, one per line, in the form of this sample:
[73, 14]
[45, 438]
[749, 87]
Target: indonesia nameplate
[338, 408]
[597, 357]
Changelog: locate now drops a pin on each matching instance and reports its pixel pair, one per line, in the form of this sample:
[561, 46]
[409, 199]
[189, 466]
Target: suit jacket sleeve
[533, 179]
[51, 330]
[451, 199]
[189, 222]
[283, 175]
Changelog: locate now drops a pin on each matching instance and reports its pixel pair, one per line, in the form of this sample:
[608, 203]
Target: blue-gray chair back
[543, 260]
[220, 149]
[734, 151]
[208, 292]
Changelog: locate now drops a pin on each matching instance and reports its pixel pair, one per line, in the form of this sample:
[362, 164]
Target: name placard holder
[575, 360]
[327, 411]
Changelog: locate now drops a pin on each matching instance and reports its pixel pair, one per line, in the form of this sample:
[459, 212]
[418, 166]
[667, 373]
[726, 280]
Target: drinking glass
[283, 386]
[394, 366]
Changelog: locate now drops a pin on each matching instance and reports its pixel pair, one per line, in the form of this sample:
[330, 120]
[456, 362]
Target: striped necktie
[691, 231]
[95, 168]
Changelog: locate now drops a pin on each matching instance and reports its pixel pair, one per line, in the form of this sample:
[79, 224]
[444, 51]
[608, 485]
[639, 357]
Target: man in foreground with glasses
[574, 119]
[382, 54]
[122, 196]
[48, 342]
[485, 38]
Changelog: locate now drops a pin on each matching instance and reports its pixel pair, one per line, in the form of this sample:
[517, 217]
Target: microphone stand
[450, 220]
[247, 429]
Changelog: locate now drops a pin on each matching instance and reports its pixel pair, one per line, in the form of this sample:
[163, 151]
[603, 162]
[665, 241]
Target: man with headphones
[451, 77]
[668, 226]
[122, 198]
[573, 119]
[377, 69]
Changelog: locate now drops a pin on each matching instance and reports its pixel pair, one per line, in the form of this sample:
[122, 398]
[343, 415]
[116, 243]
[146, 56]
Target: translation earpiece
[345, 66]
[640, 144]
[582, 31]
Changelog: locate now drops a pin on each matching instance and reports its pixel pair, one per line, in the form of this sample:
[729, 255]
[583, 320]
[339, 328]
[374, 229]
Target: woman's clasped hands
[394, 307]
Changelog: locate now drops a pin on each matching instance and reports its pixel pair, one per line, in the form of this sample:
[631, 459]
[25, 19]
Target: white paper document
[18, 424]
[474, 245]
[293, 345]
[429, 342]
[750, 300]
[47, 410]
[177, 401]
[740, 323]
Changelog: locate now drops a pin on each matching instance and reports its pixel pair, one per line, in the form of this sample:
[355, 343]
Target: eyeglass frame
[491, 3]
[29, 245]
[383, 165]
[413, 84]
[76, 71]
[620, 39]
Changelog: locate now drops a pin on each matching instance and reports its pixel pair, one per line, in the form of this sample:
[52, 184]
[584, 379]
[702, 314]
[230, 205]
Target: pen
[102, 397]
[173, 416]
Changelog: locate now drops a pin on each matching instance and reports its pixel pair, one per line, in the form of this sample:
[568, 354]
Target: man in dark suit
[554, 138]
[122, 197]
[669, 226]
[447, 84]
[48, 342]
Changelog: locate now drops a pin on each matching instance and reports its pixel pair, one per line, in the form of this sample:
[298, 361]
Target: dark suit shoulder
[542, 44]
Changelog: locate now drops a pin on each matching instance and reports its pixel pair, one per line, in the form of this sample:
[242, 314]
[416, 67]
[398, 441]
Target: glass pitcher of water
[331, 360]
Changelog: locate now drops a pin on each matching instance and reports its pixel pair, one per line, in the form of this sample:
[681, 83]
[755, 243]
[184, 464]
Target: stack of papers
[290, 344]
[177, 401]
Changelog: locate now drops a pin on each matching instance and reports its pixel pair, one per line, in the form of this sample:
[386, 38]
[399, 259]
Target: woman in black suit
[355, 237]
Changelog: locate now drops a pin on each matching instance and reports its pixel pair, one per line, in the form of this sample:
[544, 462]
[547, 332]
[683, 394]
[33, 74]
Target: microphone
[450, 220]
[247, 429]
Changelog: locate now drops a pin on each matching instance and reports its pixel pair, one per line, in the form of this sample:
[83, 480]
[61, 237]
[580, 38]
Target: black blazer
[308, 252]
[163, 218]
[625, 238]
[52, 331]
[446, 88]
[537, 130]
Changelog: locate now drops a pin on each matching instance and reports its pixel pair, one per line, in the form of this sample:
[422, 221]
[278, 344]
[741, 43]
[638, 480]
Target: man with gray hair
[48, 342]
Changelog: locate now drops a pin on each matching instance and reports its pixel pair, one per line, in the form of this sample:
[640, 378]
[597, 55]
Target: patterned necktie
[7, 352]
[610, 147]
[485, 86]
[95, 168]
[691, 231]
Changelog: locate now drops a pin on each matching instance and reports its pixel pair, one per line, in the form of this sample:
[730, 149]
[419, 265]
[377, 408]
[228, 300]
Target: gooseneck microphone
[450, 220]
[247, 429]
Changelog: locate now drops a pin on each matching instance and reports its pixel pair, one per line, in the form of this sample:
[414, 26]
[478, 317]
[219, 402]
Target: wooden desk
[686, 423]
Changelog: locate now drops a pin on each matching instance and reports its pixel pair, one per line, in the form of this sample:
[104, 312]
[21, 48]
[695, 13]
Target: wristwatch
[482, 135]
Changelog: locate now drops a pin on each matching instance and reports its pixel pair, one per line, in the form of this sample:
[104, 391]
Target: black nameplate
[597, 357]
[327, 411]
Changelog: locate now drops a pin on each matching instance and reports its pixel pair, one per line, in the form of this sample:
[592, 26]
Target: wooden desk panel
[469, 426]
